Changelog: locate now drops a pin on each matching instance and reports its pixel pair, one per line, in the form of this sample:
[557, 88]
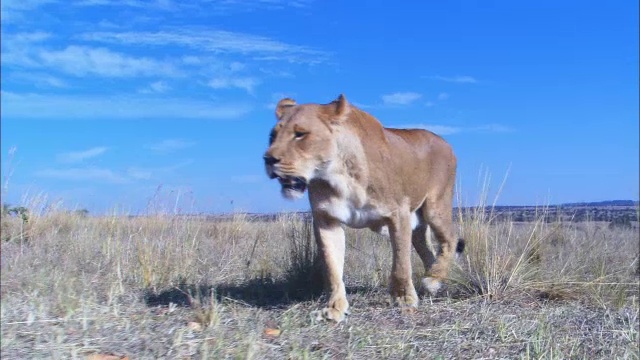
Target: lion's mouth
[294, 183]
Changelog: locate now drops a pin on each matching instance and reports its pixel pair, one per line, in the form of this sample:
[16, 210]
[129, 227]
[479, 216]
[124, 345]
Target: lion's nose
[270, 160]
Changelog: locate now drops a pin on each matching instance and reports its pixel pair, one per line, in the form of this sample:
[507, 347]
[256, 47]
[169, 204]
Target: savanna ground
[175, 287]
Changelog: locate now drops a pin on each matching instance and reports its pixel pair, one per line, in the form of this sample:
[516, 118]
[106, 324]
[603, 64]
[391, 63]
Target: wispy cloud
[104, 175]
[213, 5]
[245, 83]
[46, 106]
[38, 79]
[139, 173]
[84, 174]
[84, 64]
[171, 145]
[79, 156]
[215, 41]
[460, 79]
[156, 87]
[13, 10]
[443, 96]
[450, 130]
[147, 173]
[438, 129]
[400, 98]
[83, 60]
[27, 37]
[162, 4]
[263, 3]
[18, 48]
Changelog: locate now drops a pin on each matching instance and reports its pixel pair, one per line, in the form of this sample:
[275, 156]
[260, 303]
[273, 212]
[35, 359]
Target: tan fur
[361, 174]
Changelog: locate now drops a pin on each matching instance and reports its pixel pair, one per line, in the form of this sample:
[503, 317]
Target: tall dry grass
[70, 256]
[589, 261]
[64, 265]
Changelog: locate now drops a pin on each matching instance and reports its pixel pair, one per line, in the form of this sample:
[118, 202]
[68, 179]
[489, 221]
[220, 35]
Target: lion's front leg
[401, 285]
[331, 245]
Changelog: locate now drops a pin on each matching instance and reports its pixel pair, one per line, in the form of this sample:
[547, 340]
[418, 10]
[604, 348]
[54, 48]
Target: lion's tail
[460, 247]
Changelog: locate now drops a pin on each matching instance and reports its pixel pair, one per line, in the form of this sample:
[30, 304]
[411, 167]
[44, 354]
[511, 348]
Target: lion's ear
[340, 109]
[283, 105]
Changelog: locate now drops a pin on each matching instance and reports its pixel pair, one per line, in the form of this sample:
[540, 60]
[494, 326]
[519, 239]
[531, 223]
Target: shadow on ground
[262, 293]
[302, 283]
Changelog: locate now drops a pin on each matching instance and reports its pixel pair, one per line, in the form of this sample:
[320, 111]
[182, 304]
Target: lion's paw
[329, 314]
[408, 309]
[432, 285]
[407, 301]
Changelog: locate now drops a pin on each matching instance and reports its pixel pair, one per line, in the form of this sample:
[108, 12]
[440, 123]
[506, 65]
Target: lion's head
[302, 144]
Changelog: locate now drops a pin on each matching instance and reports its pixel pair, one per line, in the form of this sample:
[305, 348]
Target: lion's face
[302, 144]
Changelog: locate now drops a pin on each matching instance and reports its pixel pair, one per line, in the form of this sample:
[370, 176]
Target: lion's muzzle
[269, 162]
[292, 186]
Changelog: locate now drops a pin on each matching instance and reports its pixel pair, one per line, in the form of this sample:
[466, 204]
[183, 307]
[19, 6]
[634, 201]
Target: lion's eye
[300, 134]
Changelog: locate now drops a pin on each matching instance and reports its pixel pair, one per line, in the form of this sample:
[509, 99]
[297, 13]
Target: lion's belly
[350, 215]
[361, 217]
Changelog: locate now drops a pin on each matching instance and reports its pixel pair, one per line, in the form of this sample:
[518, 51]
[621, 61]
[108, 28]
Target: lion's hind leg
[419, 241]
[439, 216]
[401, 286]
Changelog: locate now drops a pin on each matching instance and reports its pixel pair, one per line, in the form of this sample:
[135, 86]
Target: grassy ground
[179, 288]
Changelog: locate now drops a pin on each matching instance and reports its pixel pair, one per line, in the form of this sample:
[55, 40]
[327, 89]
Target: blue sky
[168, 103]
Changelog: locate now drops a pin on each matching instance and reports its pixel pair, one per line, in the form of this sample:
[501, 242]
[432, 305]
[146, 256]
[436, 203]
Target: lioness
[364, 175]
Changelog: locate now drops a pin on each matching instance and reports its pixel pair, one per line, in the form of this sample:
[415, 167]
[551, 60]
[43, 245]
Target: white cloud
[443, 96]
[222, 6]
[139, 173]
[129, 3]
[24, 4]
[82, 61]
[245, 83]
[356, 104]
[157, 87]
[38, 79]
[265, 3]
[14, 10]
[28, 37]
[46, 106]
[438, 129]
[237, 66]
[494, 128]
[79, 156]
[450, 130]
[461, 79]
[400, 98]
[109, 24]
[192, 60]
[136, 4]
[97, 174]
[84, 174]
[215, 41]
[17, 49]
[171, 145]
[146, 173]
[276, 73]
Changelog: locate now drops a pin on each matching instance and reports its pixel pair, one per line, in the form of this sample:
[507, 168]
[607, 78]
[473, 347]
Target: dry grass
[175, 287]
